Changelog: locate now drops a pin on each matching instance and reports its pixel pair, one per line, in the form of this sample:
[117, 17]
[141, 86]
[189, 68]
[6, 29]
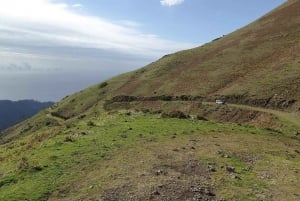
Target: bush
[69, 138]
[175, 114]
[23, 164]
[103, 84]
[199, 117]
[90, 123]
[145, 110]
[166, 98]
[81, 116]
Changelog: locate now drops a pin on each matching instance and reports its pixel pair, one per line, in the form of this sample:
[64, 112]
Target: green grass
[52, 162]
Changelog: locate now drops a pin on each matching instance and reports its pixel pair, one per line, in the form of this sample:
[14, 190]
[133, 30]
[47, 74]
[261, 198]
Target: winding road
[288, 116]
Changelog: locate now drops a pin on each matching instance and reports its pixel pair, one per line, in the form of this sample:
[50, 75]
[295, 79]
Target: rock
[222, 154]
[155, 193]
[160, 172]
[230, 169]
[235, 177]
[265, 175]
[69, 138]
[203, 190]
[198, 197]
[83, 133]
[296, 133]
[196, 190]
[209, 192]
[248, 168]
[123, 135]
[212, 168]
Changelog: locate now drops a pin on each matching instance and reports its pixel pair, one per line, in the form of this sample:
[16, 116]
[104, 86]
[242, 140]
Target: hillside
[156, 133]
[256, 65]
[255, 62]
[12, 112]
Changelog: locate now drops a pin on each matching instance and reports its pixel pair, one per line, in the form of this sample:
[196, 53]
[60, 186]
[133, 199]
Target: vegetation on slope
[260, 60]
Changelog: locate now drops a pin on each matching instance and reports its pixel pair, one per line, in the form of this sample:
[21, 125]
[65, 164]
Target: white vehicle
[220, 102]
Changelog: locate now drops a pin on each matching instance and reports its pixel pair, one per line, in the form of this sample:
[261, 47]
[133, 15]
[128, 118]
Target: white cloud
[171, 2]
[77, 5]
[49, 23]
[45, 44]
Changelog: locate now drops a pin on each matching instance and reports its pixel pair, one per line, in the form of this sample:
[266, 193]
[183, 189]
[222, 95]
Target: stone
[160, 172]
[212, 168]
[230, 169]
[155, 193]
[235, 177]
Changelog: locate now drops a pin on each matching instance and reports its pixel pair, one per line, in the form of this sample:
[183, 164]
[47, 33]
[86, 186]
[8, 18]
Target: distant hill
[12, 112]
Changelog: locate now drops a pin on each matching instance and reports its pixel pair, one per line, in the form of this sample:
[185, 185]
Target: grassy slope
[261, 59]
[95, 154]
[91, 161]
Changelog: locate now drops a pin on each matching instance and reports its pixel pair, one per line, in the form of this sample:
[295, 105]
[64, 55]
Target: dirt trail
[49, 115]
[288, 116]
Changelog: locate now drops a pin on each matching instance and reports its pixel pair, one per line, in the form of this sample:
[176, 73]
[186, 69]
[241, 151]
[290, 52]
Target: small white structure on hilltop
[220, 101]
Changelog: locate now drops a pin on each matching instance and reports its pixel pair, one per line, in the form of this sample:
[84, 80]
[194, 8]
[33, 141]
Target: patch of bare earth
[178, 181]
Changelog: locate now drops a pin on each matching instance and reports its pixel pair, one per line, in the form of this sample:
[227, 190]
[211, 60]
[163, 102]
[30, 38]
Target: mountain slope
[12, 112]
[258, 64]
[258, 61]
[166, 140]
[255, 60]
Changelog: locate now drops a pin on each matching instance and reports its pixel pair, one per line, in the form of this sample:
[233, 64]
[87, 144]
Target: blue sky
[52, 48]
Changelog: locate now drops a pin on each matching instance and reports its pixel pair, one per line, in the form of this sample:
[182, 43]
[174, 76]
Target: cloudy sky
[53, 48]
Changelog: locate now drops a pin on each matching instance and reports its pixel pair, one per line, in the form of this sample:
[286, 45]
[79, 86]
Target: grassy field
[129, 155]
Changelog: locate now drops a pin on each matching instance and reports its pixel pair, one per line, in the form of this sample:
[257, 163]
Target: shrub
[37, 168]
[90, 123]
[165, 98]
[81, 116]
[103, 84]
[186, 97]
[23, 164]
[199, 117]
[69, 138]
[145, 110]
[175, 114]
